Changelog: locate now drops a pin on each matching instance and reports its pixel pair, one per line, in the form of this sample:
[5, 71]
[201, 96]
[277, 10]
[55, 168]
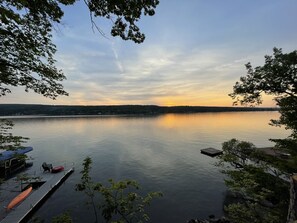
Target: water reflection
[162, 153]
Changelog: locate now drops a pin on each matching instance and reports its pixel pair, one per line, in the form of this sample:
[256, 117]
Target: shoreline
[115, 115]
[17, 110]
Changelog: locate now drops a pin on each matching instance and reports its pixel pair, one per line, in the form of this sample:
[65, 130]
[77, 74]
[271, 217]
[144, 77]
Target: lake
[161, 152]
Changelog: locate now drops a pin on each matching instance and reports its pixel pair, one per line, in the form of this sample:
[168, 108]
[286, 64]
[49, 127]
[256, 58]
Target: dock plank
[31, 203]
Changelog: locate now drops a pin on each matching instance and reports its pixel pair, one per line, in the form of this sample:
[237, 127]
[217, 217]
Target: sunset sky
[193, 54]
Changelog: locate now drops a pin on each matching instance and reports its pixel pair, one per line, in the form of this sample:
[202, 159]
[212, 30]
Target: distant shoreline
[13, 110]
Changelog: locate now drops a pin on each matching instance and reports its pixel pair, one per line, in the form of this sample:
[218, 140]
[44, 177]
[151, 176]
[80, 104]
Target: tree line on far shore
[48, 110]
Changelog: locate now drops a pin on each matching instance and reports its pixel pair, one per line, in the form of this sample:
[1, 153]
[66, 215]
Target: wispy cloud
[116, 57]
[152, 74]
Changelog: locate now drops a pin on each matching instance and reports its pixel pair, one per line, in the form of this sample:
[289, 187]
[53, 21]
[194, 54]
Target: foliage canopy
[260, 178]
[261, 193]
[7, 140]
[278, 76]
[27, 51]
[118, 201]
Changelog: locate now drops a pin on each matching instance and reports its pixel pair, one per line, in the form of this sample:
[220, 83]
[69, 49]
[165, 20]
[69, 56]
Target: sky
[194, 52]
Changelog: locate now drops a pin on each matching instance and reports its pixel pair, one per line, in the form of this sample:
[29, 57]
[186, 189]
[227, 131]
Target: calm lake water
[162, 153]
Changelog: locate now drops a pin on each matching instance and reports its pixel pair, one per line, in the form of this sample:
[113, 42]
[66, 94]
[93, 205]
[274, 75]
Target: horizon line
[218, 106]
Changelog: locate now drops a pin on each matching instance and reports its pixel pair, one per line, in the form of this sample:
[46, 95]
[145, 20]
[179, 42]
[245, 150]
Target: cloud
[116, 57]
[150, 74]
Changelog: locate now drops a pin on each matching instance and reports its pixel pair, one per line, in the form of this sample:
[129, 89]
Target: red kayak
[57, 169]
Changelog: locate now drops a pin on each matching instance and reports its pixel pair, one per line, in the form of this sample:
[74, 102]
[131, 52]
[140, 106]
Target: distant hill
[56, 110]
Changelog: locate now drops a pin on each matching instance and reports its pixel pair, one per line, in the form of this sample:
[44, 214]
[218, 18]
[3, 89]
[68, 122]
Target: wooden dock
[211, 152]
[23, 211]
[272, 151]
